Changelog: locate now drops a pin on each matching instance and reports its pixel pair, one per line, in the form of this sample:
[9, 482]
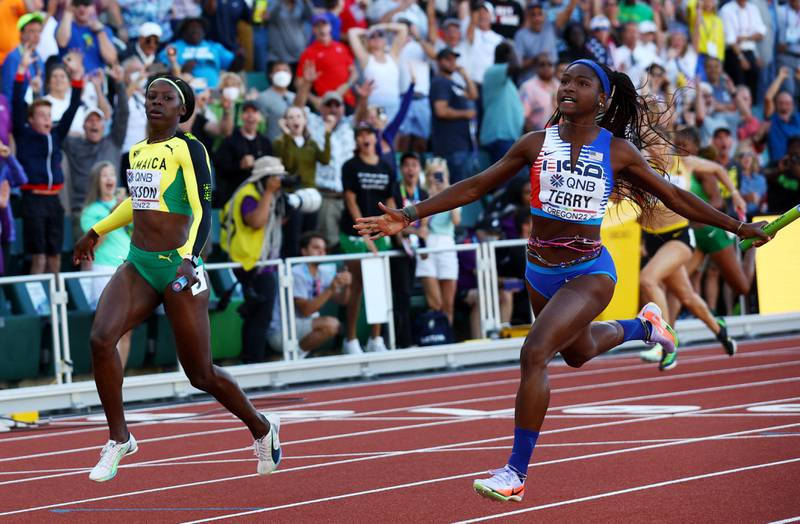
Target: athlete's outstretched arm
[631, 165]
[120, 217]
[522, 153]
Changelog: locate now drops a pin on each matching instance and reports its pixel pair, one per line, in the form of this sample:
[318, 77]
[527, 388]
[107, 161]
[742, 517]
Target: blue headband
[598, 71]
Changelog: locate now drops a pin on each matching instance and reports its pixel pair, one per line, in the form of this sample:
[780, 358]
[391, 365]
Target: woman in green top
[111, 249]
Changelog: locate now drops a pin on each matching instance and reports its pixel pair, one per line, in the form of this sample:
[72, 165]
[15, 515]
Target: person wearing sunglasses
[147, 45]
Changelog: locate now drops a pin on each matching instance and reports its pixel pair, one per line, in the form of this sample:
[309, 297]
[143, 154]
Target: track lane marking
[629, 490]
[444, 446]
[453, 477]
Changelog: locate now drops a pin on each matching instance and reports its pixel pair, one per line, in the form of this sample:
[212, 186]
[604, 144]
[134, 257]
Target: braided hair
[635, 118]
[186, 92]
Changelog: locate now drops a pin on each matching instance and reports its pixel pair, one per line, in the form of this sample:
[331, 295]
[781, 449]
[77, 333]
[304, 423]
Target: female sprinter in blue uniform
[170, 206]
[591, 149]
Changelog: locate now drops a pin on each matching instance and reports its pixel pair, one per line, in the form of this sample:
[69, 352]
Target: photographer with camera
[251, 231]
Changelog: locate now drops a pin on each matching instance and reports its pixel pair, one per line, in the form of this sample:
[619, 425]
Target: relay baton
[775, 226]
[179, 284]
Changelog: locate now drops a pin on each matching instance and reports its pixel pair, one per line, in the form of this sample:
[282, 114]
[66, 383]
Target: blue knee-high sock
[634, 329]
[524, 442]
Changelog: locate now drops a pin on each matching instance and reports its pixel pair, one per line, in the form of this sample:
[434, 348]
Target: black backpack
[432, 328]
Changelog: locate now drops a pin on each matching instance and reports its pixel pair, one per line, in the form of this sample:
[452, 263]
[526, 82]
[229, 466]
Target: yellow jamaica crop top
[171, 176]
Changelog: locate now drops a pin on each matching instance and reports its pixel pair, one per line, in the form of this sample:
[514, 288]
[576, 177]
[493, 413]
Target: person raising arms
[591, 148]
[170, 207]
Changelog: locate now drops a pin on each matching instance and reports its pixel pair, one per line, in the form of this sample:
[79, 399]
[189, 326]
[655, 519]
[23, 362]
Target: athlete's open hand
[386, 225]
[84, 247]
[755, 230]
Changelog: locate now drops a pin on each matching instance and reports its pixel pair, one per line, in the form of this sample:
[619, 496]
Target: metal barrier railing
[488, 304]
[54, 299]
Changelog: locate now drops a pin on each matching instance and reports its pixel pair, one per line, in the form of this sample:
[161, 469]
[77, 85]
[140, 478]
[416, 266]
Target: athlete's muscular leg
[679, 284]
[188, 316]
[559, 322]
[126, 301]
[667, 259]
[738, 275]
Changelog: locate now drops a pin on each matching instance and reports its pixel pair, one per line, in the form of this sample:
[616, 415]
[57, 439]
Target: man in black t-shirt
[451, 95]
[508, 17]
[367, 181]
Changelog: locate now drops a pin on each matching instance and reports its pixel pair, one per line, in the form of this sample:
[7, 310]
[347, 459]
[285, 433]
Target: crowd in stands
[368, 101]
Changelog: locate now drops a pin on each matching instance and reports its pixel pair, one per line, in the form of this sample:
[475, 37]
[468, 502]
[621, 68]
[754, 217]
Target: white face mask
[231, 93]
[282, 78]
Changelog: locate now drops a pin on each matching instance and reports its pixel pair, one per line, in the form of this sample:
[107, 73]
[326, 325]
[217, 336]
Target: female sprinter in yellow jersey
[170, 206]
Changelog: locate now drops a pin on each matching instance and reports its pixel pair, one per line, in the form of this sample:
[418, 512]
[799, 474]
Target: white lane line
[786, 521]
[791, 349]
[630, 490]
[478, 473]
[444, 446]
[485, 399]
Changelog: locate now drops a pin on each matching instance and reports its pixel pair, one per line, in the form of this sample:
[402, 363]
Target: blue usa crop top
[579, 194]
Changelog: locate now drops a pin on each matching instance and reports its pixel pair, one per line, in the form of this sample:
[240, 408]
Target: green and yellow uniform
[172, 176]
[710, 239]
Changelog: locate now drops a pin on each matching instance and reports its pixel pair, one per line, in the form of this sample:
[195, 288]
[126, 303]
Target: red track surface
[387, 462]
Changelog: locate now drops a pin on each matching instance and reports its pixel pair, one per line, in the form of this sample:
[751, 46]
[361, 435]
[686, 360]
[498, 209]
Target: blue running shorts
[547, 280]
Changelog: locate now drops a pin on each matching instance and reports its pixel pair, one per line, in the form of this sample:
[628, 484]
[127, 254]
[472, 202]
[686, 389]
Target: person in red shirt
[353, 14]
[333, 61]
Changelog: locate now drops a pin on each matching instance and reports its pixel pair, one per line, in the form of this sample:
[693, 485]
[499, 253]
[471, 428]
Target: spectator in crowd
[145, 45]
[333, 69]
[287, 36]
[376, 117]
[297, 150]
[503, 115]
[138, 19]
[237, 154]
[628, 56]
[251, 232]
[39, 152]
[58, 94]
[30, 32]
[749, 124]
[752, 184]
[453, 109]
[200, 57]
[135, 81]
[277, 98]
[330, 9]
[635, 11]
[385, 11]
[538, 94]
[788, 49]
[353, 14]
[12, 11]
[708, 118]
[781, 120]
[681, 58]
[222, 17]
[380, 67]
[83, 153]
[600, 43]
[783, 190]
[439, 271]
[12, 175]
[367, 181]
[723, 144]
[300, 155]
[451, 37]
[232, 89]
[482, 41]
[407, 192]
[260, 39]
[744, 27]
[722, 87]
[415, 74]
[708, 30]
[343, 145]
[508, 17]
[183, 9]
[314, 286]
[574, 47]
[610, 9]
[209, 126]
[101, 199]
[536, 37]
[657, 85]
[81, 30]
